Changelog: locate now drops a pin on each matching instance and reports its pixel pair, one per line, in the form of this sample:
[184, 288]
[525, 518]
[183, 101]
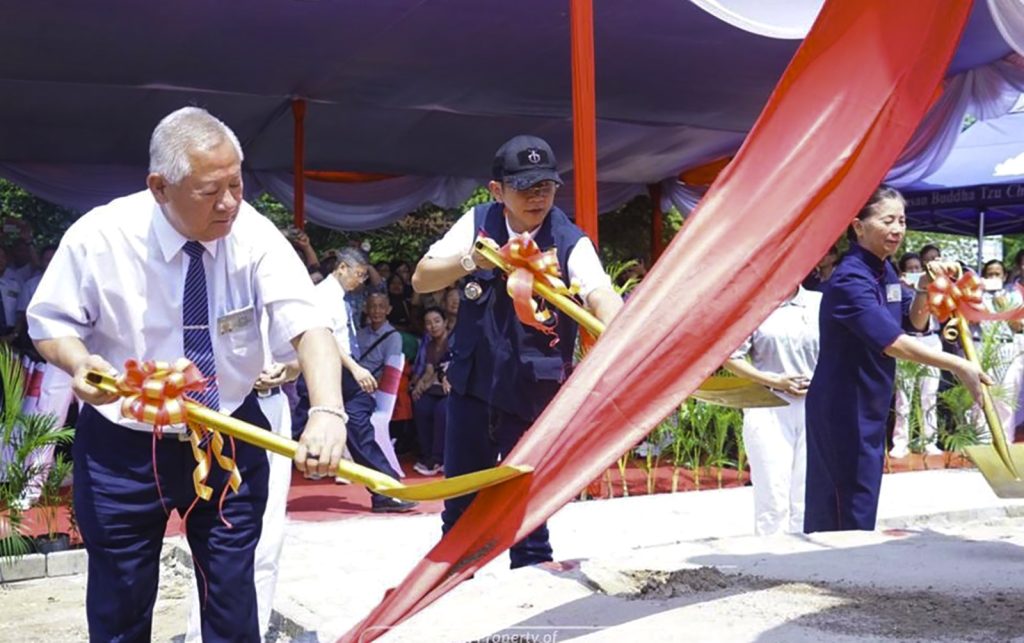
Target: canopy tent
[979, 190]
[423, 92]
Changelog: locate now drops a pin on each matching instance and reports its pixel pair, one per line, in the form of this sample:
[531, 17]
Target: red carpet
[317, 500]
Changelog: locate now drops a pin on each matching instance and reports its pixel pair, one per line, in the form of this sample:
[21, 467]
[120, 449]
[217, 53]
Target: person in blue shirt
[849, 398]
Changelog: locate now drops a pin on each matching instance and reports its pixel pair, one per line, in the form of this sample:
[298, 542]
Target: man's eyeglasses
[542, 189]
[360, 273]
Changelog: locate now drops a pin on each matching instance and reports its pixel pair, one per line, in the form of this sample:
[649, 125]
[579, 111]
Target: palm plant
[21, 436]
[51, 497]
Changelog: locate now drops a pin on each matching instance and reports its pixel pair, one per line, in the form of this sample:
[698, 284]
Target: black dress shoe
[387, 505]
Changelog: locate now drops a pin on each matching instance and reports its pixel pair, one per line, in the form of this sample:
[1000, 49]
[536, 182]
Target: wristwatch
[467, 263]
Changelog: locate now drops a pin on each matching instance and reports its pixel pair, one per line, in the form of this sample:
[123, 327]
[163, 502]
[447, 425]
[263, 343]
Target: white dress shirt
[117, 282]
[583, 263]
[786, 343]
[330, 301]
[27, 290]
[10, 289]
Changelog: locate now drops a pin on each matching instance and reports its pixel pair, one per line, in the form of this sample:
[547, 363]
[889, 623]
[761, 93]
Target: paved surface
[369, 555]
[666, 567]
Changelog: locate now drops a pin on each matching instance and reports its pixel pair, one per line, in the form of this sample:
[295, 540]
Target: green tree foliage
[48, 221]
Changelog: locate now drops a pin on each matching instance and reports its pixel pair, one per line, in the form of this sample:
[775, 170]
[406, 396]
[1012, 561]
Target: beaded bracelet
[333, 410]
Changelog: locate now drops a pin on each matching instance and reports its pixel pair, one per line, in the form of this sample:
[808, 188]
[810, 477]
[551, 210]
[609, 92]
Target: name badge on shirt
[235, 320]
[893, 293]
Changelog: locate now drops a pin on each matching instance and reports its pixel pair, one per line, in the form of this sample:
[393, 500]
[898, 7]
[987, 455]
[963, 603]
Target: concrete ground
[946, 565]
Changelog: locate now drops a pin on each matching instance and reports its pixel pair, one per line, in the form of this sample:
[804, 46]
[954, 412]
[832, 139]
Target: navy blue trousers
[362, 442]
[431, 414]
[476, 435]
[359, 405]
[122, 523]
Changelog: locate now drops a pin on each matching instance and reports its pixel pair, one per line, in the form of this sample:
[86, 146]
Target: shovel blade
[1002, 481]
[457, 486]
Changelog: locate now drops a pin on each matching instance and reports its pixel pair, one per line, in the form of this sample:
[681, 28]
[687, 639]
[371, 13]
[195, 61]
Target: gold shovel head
[737, 392]
[996, 474]
[457, 486]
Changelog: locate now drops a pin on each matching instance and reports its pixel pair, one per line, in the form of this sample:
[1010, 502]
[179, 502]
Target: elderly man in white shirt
[357, 382]
[783, 353]
[183, 268]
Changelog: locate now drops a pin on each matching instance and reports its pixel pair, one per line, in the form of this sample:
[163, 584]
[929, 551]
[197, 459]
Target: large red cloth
[842, 112]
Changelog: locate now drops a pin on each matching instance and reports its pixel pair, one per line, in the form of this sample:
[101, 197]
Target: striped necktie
[195, 320]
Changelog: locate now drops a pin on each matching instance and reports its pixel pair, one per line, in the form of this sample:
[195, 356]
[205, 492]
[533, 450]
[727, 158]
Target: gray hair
[378, 295]
[182, 132]
[353, 257]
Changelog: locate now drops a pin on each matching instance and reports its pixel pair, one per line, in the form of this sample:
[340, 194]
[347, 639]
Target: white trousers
[268, 549]
[929, 401]
[776, 446]
[1009, 373]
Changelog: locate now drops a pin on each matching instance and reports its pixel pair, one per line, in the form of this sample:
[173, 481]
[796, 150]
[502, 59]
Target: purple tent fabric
[400, 87]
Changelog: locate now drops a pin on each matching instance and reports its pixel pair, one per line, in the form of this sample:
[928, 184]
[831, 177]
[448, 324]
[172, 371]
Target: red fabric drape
[848, 102]
[298, 162]
[584, 115]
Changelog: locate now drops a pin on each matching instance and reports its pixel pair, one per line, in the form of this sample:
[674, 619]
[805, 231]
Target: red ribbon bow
[154, 393]
[964, 297]
[529, 263]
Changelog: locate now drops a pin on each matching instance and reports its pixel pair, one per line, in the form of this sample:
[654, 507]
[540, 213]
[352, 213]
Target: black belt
[268, 393]
[928, 334]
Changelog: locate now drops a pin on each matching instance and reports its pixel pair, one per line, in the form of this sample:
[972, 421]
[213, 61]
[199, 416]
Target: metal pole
[981, 239]
[584, 115]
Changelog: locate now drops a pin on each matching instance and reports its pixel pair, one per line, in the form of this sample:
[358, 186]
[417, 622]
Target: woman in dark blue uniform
[848, 402]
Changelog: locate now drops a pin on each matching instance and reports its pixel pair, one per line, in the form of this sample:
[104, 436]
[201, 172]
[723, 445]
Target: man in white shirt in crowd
[358, 383]
[10, 290]
[185, 267]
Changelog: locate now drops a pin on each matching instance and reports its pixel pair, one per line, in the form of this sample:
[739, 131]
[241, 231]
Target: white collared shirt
[582, 264]
[330, 301]
[116, 282]
[10, 290]
[786, 343]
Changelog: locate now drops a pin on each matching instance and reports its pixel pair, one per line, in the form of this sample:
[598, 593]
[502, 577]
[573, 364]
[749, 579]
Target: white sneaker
[933, 449]
[899, 452]
[427, 470]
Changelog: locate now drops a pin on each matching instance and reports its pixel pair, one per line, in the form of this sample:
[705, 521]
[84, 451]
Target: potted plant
[51, 501]
[22, 436]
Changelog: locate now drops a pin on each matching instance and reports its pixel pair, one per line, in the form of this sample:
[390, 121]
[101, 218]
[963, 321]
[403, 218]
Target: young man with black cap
[503, 373]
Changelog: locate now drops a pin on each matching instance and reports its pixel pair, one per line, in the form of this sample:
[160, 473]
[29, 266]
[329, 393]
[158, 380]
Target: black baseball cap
[524, 161]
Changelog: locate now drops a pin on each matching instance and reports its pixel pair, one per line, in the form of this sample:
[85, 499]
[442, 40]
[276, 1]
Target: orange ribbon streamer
[964, 296]
[528, 263]
[153, 393]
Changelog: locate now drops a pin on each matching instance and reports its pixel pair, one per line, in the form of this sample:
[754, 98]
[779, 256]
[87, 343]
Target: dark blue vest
[495, 357]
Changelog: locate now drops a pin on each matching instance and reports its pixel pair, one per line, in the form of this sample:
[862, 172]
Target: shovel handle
[995, 426]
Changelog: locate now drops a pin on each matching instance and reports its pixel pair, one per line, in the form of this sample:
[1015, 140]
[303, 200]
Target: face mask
[992, 284]
[912, 278]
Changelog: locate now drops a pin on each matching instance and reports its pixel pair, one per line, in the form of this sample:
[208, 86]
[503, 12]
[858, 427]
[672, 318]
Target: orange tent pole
[299, 153]
[584, 114]
[657, 222]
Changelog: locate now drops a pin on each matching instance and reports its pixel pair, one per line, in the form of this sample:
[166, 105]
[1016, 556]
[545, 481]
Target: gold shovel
[372, 480]
[999, 462]
[736, 392]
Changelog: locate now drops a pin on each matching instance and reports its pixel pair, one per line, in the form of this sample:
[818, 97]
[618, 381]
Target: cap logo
[533, 156]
